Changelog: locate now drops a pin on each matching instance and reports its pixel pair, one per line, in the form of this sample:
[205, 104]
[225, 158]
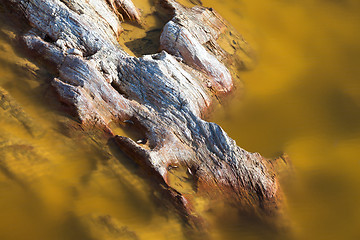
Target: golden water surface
[302, 98]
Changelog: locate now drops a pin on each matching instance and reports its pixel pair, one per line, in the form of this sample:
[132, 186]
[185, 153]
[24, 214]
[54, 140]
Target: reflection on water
[302, 98]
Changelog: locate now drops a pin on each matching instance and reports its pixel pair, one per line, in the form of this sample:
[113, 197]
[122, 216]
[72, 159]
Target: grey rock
[164, 98]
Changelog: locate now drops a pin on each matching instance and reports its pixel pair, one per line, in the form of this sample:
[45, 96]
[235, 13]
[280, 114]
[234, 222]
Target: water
[302, 98]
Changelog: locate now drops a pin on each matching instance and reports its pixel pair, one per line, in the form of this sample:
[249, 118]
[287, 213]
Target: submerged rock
[13, 111]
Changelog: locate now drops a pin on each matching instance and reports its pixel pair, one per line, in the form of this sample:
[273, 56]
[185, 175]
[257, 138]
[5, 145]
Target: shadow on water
[145, 39]
[153, 202]
[73, 229]
[147, 45]
[231, 223]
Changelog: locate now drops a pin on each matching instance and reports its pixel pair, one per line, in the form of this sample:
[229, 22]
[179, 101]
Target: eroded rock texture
[163, 96]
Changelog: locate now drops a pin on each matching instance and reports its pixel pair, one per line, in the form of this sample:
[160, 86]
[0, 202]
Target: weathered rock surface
[163, 96]
[186, 36]
[125, 8]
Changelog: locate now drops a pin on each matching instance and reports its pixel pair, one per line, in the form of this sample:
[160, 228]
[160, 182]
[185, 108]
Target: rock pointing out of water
[163, 96]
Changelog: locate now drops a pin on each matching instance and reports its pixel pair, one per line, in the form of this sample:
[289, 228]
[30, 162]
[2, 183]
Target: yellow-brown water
[302, 98]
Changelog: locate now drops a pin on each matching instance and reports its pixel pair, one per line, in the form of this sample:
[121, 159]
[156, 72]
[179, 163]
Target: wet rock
[164, 98]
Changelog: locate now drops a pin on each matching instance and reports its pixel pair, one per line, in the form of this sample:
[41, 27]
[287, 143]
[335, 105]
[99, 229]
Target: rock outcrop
[162, 96]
